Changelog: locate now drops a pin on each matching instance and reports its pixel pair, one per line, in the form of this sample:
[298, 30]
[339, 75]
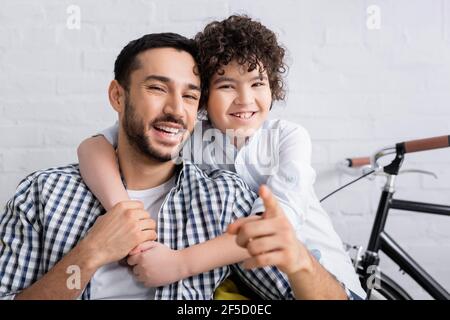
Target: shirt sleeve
[20, 249]
[111, 134]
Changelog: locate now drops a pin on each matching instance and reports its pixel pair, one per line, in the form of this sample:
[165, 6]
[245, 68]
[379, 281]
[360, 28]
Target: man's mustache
[169, 118]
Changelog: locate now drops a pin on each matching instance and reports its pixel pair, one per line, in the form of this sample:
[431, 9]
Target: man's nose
[174, 104]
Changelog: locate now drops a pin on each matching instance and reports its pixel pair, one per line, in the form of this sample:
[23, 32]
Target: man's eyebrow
[157, 78]
[191, 86]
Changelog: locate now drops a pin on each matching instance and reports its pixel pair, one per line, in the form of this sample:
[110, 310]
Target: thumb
[270, 202]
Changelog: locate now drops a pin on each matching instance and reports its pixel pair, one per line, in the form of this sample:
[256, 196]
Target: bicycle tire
[389, 290]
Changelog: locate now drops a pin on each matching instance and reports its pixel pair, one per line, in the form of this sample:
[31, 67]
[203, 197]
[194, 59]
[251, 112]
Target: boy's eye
[258, 84]
[226, 86]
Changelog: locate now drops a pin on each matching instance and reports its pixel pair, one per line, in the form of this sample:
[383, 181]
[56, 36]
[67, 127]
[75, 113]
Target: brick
[86, 37]
[195, 10]
[44, 110]
[350, 59]
[446, 22]
[20, 13]
[320, 154]
[10, 37]
[23, 136]
[83, 84]
[27, 84]
[409, 228]
[47, 36]
[338, 128]
[119, 13]
[186, 28]
[321, 104]
[115, 37]
[412, 127]
[343, 36]
[424, 195]
[67, 136]
[62, 110]
[30, 160]
[443, 174]
[54, 61]
[8, 183]
[422, 104]
[99, 60]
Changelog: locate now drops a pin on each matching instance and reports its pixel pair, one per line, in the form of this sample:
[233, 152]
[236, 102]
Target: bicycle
[366, 262]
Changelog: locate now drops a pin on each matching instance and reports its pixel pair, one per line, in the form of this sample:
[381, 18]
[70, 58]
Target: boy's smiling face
[239, 100]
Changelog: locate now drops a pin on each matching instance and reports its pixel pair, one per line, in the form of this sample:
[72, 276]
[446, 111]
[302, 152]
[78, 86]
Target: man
[54, 229]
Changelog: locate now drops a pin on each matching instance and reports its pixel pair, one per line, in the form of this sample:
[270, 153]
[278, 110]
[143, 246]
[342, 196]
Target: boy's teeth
[244, 115]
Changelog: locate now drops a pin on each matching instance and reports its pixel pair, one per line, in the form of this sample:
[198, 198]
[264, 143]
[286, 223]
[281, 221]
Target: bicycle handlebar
[358, 162]
[426, 144]
[407, 147]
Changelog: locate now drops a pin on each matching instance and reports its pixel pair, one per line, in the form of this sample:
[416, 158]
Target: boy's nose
[244, 97]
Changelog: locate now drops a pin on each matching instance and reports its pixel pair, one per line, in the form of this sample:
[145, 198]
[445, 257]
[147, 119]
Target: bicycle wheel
[389, 290]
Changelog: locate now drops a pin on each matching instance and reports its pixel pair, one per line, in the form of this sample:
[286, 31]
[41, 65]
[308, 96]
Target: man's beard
[135, 131]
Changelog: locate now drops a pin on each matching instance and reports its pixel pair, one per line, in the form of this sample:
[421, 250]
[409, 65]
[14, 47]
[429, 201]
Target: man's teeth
[168, 129]
[243, 115]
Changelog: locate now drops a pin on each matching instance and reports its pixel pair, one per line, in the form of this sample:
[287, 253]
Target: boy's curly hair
[249, 43]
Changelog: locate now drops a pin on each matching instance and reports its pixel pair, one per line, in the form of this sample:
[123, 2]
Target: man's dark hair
[249, 43]
[127, 62]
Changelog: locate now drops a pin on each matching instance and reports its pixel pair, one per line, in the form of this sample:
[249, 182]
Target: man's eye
[155, 88]
[192, 97]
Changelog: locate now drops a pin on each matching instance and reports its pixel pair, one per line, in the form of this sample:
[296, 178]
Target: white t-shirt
[279, 155]
[115, 281]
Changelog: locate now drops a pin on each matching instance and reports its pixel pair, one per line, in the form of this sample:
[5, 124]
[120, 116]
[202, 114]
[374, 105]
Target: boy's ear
[116, 94]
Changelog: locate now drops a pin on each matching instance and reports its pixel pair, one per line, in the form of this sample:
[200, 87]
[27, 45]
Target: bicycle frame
[380, 240]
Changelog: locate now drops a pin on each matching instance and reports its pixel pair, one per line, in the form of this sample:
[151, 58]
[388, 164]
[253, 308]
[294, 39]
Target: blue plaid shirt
[53, 210]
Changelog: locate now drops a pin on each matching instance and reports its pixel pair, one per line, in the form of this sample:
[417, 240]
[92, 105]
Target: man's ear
[116, 94]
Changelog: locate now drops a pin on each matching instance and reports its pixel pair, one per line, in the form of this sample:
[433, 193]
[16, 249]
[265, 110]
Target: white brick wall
[354, 89]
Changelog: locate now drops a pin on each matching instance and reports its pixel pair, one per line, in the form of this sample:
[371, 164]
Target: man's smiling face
[161, 102]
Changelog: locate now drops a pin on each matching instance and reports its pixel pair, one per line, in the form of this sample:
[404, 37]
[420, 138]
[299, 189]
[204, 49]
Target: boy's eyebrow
[168, 80]
[260, 77]
[228, 79]
[224, 79]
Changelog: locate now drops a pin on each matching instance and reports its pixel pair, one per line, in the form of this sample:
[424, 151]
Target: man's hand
[118, 231]
[155, 264]
[270, 238]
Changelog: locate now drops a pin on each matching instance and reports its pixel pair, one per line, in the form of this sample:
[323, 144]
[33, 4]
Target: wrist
[182, 259]
[89, 255]
[306, 265]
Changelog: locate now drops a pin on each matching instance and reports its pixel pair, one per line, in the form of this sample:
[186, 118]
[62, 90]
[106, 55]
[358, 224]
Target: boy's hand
[155, 264]
[270, 238]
